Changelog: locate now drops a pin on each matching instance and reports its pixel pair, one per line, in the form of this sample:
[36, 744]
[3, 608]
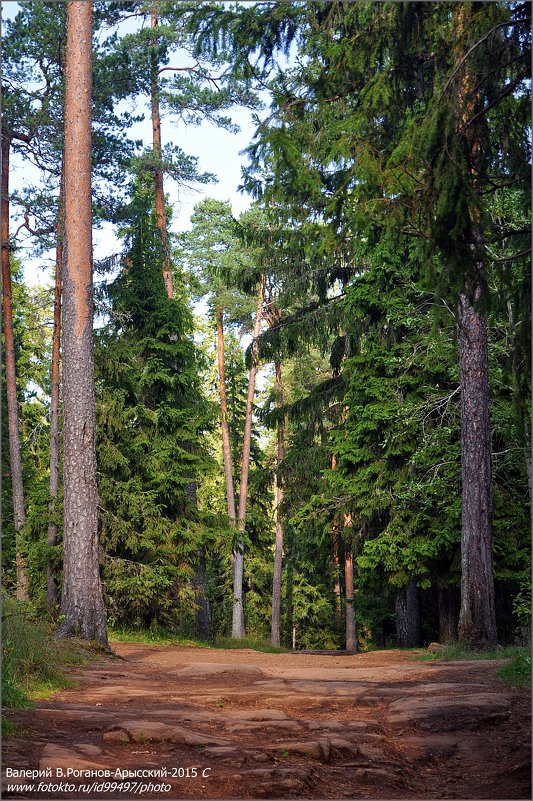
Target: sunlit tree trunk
[15, 462]
[238, 629]
[82, 605]
[278, 549]
[51, 583]
[160, 209]
[351, 637]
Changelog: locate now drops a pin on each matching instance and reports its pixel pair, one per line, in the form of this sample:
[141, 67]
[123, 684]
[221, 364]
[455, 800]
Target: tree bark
[51, 583]
[351, 636]
[477, 619]
[82, 604]
[336, 560]
[238, 629]
[226, 446]
[408, 633]
[160, 209]
[278, 550]
[15, 461]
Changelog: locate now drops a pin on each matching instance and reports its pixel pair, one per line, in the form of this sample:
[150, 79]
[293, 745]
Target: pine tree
[82, 605]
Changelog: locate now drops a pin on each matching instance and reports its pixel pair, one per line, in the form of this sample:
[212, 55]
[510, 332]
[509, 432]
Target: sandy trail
[169, 723]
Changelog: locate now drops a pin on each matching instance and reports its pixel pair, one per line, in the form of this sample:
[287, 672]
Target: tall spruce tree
[152, 419]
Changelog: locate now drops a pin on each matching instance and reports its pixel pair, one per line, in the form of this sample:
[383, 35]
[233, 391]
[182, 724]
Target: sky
[218, 152]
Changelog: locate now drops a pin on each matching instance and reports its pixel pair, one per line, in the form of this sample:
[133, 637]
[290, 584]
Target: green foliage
[32, 354]
[32, 663]
[151, 423]
[390, 168]
[518, 672]
[312, 613]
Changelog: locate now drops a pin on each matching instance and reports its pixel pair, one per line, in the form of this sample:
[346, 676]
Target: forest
[307, 423]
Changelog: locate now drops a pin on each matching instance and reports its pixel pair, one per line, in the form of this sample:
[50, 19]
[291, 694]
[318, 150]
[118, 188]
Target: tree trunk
[238, 630]
[278, 551]
[226, 446]
[82, 604]
[160, 209]
[336, 560]
[51, 583]
[351, 637]
[448, 612]
[477, 619]
[408, 633]
[15, 462]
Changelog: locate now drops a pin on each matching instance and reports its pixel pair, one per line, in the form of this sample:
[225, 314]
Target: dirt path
[199, 723]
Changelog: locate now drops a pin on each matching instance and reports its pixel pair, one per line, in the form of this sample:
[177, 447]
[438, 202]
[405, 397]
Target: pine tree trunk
[238, 630]
[226, 446]
[408, 633]
[51, 583]
[160, 209]
[351, 637]
[477, 619]
[448, 612]
[278, 550]
[82, 603]
[337, 595]
[15, 461]
[336, 561]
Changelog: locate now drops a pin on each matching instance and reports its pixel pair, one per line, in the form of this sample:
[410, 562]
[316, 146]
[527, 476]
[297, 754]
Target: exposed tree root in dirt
[193, 723]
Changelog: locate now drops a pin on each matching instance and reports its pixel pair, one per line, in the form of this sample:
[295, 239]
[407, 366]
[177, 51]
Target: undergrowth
[155, 635]
[33, 664]
[518, 672]
[456, 652]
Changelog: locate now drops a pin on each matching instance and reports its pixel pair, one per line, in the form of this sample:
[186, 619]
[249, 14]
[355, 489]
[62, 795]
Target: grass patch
[10, 728]
[156, 635]
[229, 643]
[33, 663]
[518, 672]
[456, 652]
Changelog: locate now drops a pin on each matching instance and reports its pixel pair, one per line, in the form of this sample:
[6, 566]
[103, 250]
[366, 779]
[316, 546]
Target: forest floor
[240, 724]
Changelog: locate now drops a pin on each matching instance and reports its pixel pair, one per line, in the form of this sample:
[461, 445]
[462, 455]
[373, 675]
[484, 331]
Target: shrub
[32, 662]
